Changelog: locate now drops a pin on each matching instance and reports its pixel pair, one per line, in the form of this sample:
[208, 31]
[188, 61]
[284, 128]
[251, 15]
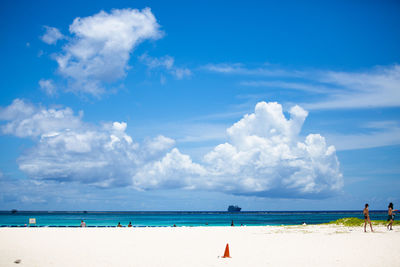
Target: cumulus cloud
[27, 120]
[174, 170]
[52, 35]
[264, 155]
[16, 111]
[48, 87]
[167, 63]
[100, 46]
[68, 149]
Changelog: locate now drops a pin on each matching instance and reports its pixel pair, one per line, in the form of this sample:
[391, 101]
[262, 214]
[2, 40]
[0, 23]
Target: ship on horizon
[235, 208]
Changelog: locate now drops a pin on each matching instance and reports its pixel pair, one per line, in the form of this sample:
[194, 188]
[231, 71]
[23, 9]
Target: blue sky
[155, 105]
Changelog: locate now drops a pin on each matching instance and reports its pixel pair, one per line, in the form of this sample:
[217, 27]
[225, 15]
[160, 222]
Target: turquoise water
[141, 219]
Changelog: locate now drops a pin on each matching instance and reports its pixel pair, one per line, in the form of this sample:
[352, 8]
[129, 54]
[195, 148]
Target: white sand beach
[311, 245]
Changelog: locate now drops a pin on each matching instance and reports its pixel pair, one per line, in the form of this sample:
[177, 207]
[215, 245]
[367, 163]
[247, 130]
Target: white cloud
[17, 110]
[167, 63]
[289, 85]
[158, 144]
[374, 134]
[225, 68]
[174, 170]
[27, 120]
[264, 155]
[382, 124]
[52, 35]
[48, 87]
[181, 73]
[68, 149]
[379, 87]
[240, 69]
[100, 47]
[151, 62]
[374, 88]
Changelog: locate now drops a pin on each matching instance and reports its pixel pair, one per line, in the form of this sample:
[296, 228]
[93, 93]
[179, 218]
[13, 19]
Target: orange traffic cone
[226, 254]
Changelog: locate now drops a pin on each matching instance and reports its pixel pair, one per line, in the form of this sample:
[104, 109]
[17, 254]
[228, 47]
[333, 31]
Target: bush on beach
[359, 222]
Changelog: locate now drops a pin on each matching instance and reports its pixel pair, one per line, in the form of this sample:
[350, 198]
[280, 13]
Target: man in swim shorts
[390, 216]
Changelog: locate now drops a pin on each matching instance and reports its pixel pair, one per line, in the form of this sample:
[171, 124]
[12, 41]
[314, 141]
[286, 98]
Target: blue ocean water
[195, 218]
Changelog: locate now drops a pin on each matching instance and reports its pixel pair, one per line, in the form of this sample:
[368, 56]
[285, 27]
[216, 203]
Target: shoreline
[348, 221]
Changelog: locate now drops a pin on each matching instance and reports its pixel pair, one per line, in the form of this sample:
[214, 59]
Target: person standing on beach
[390, 216]
[366, 218]
[83, 224]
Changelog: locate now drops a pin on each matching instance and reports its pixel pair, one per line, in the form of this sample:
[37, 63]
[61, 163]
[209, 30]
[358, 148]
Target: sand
[311, 245]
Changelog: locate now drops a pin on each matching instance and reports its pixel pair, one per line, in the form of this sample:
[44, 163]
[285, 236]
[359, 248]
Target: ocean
[179, 218]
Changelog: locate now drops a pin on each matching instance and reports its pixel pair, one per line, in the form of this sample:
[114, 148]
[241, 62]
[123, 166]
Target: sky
[197, 105]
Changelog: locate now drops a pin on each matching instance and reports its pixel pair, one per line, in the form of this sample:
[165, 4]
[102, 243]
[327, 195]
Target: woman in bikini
[390, 216]
[366, 218]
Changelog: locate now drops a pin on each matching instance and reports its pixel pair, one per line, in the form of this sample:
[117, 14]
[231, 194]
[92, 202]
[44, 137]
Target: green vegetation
[359, 222]
[348, 222]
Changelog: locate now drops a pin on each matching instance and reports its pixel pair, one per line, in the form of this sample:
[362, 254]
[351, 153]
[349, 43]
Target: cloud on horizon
[264, 155]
